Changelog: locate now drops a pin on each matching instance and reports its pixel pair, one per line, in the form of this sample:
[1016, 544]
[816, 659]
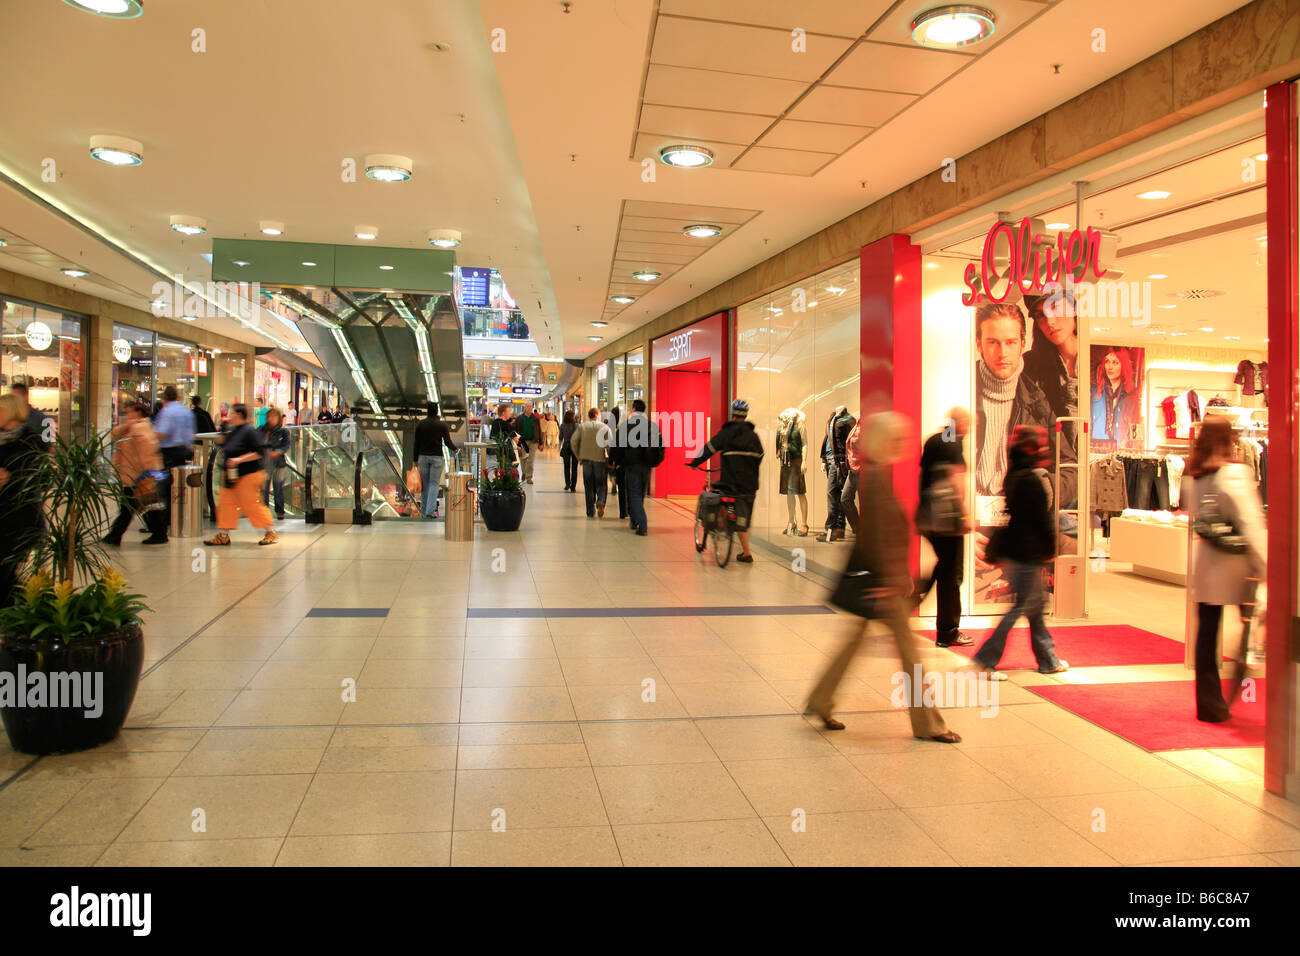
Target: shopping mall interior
[803, 225]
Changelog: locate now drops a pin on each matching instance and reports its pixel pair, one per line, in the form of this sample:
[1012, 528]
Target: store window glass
[133, 367]
[635, 375]
[175, 363]
[797, 365]
[228, 383]
[618, 376]
[43, 349]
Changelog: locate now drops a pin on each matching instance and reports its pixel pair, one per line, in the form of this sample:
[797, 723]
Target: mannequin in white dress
[791, 451]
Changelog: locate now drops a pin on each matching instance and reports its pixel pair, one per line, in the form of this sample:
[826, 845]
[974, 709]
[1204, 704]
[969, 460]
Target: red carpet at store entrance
[1101, 645]
[1160, 715]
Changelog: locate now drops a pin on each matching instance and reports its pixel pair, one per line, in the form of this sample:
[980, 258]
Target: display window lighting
[954, 26]
[686, 156]
[116, 150]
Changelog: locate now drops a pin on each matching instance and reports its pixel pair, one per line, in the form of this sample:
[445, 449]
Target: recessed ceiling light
[309, 264]
[1157, 275]
[686, 156]
[1262, 157]
[953, 26]
[75, 273]
[118, 9]
[116, 150]
[702, 231]
[1207, 329]
[1058, 225]
[1232, 338]
[189, 225]
[366, 232]
[1167, 307]
[389, 168]
[444, 238]
[600, 325]
[1155, 194]
[622, 299]
[3, 243]
[646, 275]
[387, 268]
[240, 262]
[271, 228]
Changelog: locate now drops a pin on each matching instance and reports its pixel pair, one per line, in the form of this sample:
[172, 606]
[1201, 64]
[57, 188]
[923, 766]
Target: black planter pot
[106, 671]
[501, 510]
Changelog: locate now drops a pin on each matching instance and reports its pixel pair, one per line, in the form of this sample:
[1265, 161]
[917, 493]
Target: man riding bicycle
[742, 455]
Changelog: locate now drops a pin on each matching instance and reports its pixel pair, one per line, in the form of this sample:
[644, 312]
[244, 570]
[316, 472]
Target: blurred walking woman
[881, 550]
[20, 511]
[245, 475]
[1230, 557]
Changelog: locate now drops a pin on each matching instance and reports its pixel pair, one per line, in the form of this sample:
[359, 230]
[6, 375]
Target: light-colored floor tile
[243, 852]
[370, 849]
[625, 702]
[515, 704]
[77, 855]
[703, 843]
[1241, 821]
[759, 738]
[934, 777]
[388, 673]
[1050, 770]
[1011, 833]
[862, 838]
[731, 699]
[418, 648]
[306, 675]
[527, 798]
[631, 742]
[26, 804]
[556, 846]
[396, 705]
[812, 784]
[283, 708]
[107, 763]
[510, 735]
[513, 673]
[671, 793]
[233, 807]
[511, 756]
[98, 813]
[349, 803]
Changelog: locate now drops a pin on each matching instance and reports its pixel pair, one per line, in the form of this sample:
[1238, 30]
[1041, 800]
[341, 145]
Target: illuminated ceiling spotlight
[1155, 194]
[685, 156]
[269, 227]
[74, 272]
[702, 231]
[444, 238]
[116, 150]
[600, 325]
[954, 26]
[189, 225]
[623, 299]
[389, 168]
[647, 275]
[117, 9]
[366, 232]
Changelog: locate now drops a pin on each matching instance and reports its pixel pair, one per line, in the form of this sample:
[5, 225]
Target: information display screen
[474, 287]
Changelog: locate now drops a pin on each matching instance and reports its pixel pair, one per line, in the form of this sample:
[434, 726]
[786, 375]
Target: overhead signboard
[475, 286]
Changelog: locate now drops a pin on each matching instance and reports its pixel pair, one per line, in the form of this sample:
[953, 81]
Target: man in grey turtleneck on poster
[1005, 397]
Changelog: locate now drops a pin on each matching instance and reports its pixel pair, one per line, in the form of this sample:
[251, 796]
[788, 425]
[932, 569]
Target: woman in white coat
[1217, 487]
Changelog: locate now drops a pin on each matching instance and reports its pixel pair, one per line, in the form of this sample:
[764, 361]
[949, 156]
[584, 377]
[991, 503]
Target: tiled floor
[646, 741]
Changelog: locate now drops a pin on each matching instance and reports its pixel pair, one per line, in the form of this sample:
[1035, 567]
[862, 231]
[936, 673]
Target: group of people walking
[609, 450]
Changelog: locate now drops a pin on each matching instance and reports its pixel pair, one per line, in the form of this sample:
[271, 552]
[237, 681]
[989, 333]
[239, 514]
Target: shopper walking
[740, 451]
[619, 486]
[36, 421]
[1231, 554]
[944, 460]
[1024, 545]
[431, 436]
[529, 429]
[849, 495]
[242, 488]
[20, 508]
[203, 423]
[881, 551]
[275, 439]
[639, 448]
[567, 456]
[139, 466]
[550, 432]
[589, 443]
[175, 427]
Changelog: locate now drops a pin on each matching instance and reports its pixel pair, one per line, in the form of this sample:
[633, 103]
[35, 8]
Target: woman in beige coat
[883, 537]
[1216, 482]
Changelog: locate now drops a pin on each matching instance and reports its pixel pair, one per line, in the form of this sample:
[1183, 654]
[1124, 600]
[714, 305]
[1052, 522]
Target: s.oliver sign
[1024, 257]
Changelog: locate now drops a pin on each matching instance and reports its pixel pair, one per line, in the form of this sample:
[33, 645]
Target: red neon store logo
[1034, 264]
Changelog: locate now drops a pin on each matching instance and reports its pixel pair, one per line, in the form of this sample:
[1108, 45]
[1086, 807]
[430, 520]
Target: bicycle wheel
[722, 543]
[701, 534]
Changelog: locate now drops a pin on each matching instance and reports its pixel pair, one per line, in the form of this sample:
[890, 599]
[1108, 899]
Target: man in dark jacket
[741, 452]
[638, 448]
[203, 422]
[942, 455]
[1026, 544]
[431, 436]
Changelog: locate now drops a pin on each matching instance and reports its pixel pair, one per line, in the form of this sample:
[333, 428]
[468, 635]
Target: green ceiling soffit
[275, 262]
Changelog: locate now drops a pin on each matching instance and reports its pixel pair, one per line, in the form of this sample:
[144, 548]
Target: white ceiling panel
[884, 66]
[819, 137]
[712, 90]
[702, 124]
[733, 48]
[791, 161]
[687, 213]
[833, 104]
[835, 17]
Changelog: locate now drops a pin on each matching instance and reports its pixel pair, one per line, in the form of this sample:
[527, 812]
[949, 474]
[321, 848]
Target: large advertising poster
[1026, 373]
[1116, 400]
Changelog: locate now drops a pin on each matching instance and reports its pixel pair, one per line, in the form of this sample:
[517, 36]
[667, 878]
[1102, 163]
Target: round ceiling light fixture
[702, 231]
[623, 299]
[74, 272]
[595, 338]
[600, 325]
[3, 243]
[1155, 194]
[389, 168]
[269, 227]
[646, 275]
[189, 225]
[366, 232]
[240, 262]
[386, 268]
[116, 150]
[1058, 225]
[686, 156]
[444, 238]
[953, 27]
[117, 9]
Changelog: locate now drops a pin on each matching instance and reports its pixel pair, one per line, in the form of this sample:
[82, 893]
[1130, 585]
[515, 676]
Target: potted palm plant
[501, 497]
[71, 645]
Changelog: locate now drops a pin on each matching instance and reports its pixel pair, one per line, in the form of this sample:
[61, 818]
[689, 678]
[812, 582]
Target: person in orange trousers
[245, 466]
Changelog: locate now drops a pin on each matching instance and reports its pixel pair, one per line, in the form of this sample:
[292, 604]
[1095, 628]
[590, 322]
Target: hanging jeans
[836, 474]
[1027, 584]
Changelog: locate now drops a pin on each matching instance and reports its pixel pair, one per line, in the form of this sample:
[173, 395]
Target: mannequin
[791, 441]
[836, 463]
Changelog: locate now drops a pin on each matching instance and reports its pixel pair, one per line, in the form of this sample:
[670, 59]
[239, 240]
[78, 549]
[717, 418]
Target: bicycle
[719, 522]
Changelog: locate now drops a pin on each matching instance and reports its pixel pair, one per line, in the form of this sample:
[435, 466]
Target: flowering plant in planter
[504, 477]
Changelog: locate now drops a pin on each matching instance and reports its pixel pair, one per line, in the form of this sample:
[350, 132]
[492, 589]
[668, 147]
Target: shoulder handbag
[860, 592]
[1212, 526]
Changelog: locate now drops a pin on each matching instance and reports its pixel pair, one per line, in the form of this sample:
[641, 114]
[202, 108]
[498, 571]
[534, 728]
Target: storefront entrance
[683, 389]
[690, 398]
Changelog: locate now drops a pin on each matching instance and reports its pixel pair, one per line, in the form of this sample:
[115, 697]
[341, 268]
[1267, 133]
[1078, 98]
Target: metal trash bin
[188, 501]
[460, 507]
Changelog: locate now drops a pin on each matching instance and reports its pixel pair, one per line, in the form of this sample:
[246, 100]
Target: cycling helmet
[739, 408]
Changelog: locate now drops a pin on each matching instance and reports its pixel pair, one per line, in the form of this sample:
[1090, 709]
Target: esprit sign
[1024, 256]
